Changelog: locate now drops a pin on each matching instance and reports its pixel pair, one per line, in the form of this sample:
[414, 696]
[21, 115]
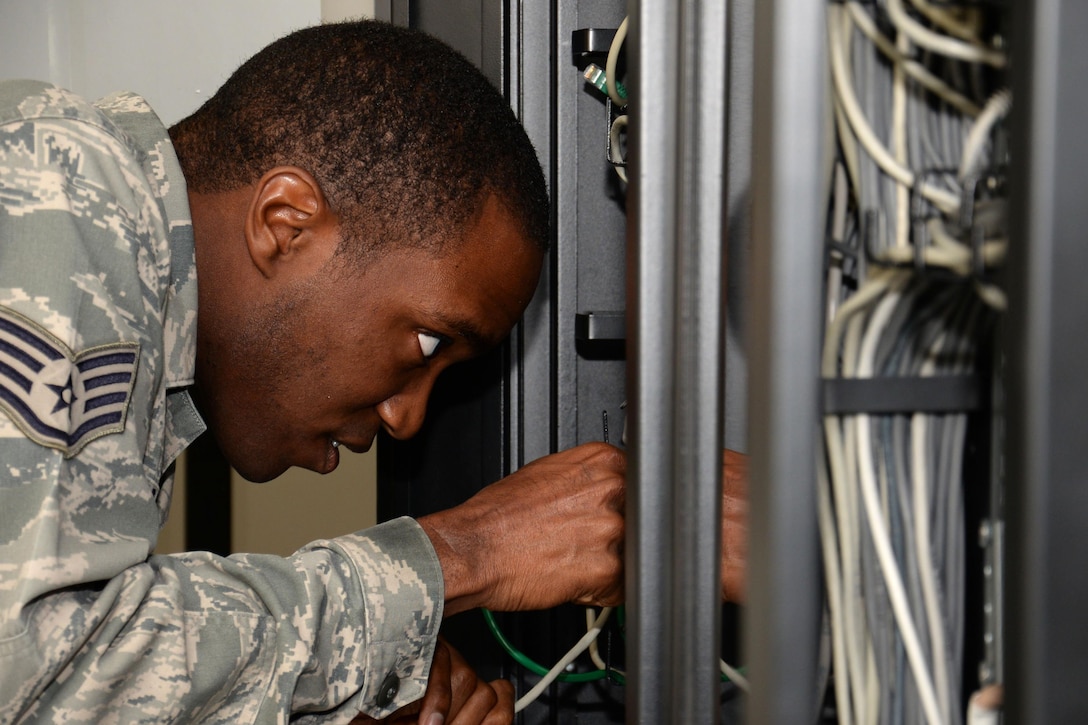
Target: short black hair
[405, 136]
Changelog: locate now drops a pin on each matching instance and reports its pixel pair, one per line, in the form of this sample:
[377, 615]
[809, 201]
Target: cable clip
[977, 191]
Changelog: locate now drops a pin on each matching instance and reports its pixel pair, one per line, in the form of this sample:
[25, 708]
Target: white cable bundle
[915, 114]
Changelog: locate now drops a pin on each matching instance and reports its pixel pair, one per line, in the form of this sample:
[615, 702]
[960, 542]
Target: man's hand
[734, 524]
[455, 696]
[550, 533]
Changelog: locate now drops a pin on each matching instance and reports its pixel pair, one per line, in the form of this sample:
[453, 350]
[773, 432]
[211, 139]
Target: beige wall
[334, 10]
[172, 536]
[300, 506]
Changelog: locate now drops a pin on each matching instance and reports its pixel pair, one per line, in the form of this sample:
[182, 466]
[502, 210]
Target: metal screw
[985, 534]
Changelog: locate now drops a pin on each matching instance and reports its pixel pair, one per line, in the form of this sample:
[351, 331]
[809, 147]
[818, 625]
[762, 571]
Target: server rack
[542, 392]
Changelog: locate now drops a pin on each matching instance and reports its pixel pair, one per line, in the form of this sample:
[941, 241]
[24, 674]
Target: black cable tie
[611, 114]
[886, 395]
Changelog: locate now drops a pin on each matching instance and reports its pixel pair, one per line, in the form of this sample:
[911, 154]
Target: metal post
[1047, 496]
[676, 283]
[789, 191]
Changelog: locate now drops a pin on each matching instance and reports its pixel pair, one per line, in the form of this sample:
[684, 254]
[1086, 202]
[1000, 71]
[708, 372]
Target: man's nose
[403, 414]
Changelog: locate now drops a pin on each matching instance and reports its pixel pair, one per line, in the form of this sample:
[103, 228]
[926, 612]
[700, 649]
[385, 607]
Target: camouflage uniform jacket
[97, 339]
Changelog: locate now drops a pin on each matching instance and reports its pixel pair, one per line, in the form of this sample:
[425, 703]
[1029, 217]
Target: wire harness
[916, 227]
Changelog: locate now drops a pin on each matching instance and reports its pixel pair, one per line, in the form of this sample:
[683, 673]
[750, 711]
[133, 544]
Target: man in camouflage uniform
[104, 382]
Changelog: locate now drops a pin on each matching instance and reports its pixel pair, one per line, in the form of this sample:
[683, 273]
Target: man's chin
[257, 474]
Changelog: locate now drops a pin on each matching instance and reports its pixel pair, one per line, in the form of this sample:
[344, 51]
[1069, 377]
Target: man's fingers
[439, 695]
[734, 525]
[463, 681]
[491, 703]
[503, 712]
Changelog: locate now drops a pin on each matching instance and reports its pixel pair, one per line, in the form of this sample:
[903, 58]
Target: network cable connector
[596, 77]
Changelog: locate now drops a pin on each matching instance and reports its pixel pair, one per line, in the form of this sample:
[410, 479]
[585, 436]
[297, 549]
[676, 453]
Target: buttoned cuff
[403, 594]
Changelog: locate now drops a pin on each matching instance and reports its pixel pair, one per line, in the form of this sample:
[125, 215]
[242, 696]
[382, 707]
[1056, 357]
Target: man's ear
[289, 220]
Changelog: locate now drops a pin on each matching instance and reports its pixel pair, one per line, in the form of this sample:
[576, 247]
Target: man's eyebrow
[468, 331]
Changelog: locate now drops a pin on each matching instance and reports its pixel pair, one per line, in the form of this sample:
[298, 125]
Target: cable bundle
[908, 296]
[891, 504]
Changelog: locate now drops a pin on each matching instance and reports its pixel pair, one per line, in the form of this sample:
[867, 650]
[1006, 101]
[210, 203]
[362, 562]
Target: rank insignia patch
[59, 398]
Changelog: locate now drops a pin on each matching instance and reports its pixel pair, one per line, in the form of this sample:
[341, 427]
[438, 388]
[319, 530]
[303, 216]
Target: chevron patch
[58, 398]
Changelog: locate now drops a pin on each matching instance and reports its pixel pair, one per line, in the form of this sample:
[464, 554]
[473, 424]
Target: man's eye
[428, 344]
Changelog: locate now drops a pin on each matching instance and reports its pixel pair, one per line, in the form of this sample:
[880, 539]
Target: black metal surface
[473, 28]
[601, 326]
[1046, 349]
[590, 44]
[207, 498]
[590, 218]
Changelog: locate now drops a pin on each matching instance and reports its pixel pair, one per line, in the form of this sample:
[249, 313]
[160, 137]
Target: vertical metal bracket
[676, 286]
[789, 192]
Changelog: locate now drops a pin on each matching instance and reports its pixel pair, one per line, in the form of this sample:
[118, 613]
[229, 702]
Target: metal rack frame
[789, 192]
[1046, 498]
[675, 353]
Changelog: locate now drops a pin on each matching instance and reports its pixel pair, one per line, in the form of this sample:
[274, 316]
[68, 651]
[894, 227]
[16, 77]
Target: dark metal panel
[565, 385]
[392, 11]
[207, 498]
[530, 85]
[471, 26]
[589, 225]
[782, 616]
[675, 287]
[1046, 348]
[564, 290]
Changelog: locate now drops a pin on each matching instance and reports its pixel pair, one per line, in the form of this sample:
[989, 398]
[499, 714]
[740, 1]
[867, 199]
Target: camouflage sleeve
[340, 627]
[94, 279]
